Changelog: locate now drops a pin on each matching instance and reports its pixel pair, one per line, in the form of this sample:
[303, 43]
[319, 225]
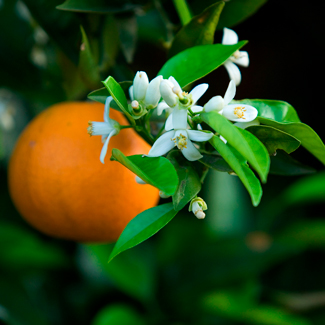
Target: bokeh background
[241, 265]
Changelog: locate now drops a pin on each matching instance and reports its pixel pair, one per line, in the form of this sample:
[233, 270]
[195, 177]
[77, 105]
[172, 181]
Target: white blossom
[106, 129]
[178, 135]
[239, 57]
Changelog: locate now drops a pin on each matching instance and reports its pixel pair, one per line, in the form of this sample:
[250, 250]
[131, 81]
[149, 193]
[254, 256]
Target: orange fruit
[59, 185]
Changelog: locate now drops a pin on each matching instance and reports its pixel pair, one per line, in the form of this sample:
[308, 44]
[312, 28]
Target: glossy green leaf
[189, 182]
[156, 171]
[88, 66]
[199, 31]
[240, 167]
[272, 109]
[243, 141]
[274, 139]
[283, 164]
[117, 92]
[96, 6]
[215, 161]
[304, 133]
[236, 11]
[196, 62]
[118, 314]
[143, 226]
[101, 94]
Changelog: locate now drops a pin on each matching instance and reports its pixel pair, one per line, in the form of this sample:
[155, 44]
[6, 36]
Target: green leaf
[237, 11]
[215, 161]
[240, 167]
[199, 31]
[243, 141]
[143, 226]
[100, 95]
[283, 164]
[96, 6]
[189, 182]
[88, 66]
[274, 139]
[118, 94]
[156, 171]
[272, 109]
[118, 314]
[304, 133]
[196, 62]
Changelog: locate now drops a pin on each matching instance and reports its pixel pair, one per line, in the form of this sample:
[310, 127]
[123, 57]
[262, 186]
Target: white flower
[239, 57]
[106, 129]
[233, 112]
[197, 206]
[173, 96]
[179, 136]
[143, 92]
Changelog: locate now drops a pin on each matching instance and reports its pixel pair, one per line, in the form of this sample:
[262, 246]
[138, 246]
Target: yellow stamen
[90, 128]
[180, 141]
[239, 111]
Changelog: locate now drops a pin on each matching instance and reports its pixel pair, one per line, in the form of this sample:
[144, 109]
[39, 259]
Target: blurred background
[241, 265]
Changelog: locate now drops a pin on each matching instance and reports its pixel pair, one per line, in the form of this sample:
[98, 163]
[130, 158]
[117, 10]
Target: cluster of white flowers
[180, 107]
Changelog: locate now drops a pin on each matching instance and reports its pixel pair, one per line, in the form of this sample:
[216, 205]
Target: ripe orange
[59, 185]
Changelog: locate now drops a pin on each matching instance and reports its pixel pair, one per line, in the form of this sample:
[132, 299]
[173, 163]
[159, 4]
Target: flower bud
[163, 195]
[197, 206]
[216, 103]
[140, 180]
[153, 93]
[140, 85]
[166, 90]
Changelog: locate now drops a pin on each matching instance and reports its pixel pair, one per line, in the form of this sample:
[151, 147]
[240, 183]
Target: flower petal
[179, 119]
[162, 106]
[131, 93]
[104, 149]
[106, 109]
[216, 103]
[140, 85]
[244, 125]
[140, 180]
[196, 109]
[174, 82]
[243, 59]
[153, 94]
[162, 145]
[169, 123]
[198, 91]
[167, 93]
[190, 152]
[240, 112]
[100, 128]
[233, 71]
[199, 136]
[230, 93]
[229, 37]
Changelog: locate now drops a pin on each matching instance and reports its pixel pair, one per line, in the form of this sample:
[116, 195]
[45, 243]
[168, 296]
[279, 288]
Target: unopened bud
[140, 85]
[197, 206]
[135, 104]
[139, 180]
[153, 93]
[167, 93]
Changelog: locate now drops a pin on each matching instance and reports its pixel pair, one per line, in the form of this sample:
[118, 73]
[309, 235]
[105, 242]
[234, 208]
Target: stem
[183, 11]
[125, 127]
